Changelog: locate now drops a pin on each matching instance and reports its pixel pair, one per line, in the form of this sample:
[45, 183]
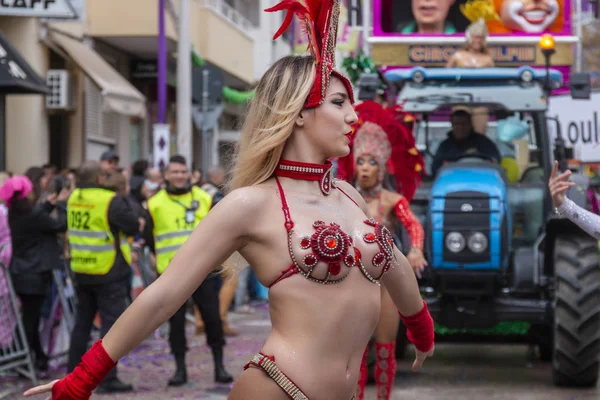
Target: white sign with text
[580, 125]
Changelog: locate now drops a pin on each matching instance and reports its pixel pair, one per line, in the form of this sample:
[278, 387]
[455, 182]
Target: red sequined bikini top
[329, 244]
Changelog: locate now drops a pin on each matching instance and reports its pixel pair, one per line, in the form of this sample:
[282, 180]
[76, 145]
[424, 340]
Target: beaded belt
[266, 364]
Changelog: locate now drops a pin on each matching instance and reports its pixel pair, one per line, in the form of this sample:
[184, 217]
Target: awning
[119, 96]
[16, 75]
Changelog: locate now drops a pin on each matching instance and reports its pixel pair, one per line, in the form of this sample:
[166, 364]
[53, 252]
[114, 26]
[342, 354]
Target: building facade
[101, 68]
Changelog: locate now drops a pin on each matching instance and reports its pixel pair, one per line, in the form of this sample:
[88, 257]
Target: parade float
[501, 265]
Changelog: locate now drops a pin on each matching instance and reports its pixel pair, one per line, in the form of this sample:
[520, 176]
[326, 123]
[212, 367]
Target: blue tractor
[498, 253]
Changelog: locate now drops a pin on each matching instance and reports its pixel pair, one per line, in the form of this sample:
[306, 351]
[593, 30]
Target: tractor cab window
[513, 135]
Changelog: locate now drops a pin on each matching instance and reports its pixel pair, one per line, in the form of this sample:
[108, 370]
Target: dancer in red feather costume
[285, 209]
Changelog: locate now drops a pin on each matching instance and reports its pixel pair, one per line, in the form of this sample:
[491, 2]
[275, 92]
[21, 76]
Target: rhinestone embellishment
[382, 259]
[330, 245]
[305, 243]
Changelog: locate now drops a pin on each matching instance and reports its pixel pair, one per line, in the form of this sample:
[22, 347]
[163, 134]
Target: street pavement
[456, 372]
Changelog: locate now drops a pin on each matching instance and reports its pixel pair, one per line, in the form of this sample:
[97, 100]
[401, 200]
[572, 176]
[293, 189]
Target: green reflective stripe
[124, 241]
[172, 235]
[168, 249]
[90, 247]
[87, 234]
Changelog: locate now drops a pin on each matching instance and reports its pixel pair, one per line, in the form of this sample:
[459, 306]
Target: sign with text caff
[38, 8]
[451, 17]
[347, 38]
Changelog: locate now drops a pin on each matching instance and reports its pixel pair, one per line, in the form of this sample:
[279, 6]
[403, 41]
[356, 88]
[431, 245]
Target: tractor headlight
[478, 242]
[455, 242]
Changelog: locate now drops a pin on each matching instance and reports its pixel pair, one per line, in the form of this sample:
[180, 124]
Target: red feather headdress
[319, 19]
[403, 161]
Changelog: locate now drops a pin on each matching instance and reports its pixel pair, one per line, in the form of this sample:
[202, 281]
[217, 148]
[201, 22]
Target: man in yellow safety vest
[175, 211]
[99, 222]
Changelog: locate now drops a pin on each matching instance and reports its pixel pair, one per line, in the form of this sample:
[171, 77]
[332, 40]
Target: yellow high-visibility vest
[171, 217]
[92, 244]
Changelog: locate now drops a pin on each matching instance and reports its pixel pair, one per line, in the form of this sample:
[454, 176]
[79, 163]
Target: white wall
[27, 139]
[267, 51]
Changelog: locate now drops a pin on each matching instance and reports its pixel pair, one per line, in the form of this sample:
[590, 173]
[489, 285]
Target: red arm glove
[419, 329]
[410, 222]
[93, 368]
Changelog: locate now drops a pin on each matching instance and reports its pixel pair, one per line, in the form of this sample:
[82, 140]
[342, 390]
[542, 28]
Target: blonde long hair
[277, 102]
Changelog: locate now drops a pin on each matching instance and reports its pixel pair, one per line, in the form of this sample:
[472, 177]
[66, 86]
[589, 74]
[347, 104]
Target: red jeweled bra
[329, 244]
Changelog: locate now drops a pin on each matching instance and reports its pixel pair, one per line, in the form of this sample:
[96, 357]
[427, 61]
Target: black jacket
[450, 149]
[121, 218]
[36, 250]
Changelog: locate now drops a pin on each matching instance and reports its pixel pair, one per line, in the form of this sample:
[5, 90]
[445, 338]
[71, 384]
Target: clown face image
[530, 16]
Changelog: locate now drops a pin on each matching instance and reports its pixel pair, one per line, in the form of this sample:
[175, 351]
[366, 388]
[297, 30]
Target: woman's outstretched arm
[224, 230]
[586, 220]
[558, 186]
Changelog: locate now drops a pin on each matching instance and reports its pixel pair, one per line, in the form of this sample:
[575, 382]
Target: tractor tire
[576, 358]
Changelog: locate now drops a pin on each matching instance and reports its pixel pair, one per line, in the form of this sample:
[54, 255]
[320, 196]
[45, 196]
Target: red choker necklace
[307, 172]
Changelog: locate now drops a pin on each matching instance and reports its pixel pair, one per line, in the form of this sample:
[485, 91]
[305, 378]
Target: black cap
[109, 155]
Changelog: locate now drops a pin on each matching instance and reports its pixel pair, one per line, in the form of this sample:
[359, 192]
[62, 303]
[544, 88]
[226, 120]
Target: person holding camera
[36, 251]
[99, 221]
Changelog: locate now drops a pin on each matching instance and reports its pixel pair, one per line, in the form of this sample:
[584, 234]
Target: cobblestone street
[457, 372]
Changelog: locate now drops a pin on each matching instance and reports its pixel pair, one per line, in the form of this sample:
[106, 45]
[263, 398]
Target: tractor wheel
[577, 311]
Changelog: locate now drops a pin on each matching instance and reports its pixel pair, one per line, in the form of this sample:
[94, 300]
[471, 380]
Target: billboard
[449, 17]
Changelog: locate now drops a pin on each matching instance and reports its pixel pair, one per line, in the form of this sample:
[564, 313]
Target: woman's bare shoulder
[353, 193]
[249, 198]
[390, 198]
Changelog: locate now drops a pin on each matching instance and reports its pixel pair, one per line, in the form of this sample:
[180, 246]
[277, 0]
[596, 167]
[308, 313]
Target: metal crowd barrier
[14, 350]
[56, 331]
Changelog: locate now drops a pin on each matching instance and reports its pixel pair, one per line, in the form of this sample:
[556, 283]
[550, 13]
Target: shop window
[98, 124]
[111, 124]
[93, 109]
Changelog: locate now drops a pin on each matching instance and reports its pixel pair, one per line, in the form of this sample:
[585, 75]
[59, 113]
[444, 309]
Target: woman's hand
[64, 194]
[47, 388]
[417, 261]
[420, 358]
[52, 198]
[559, 185]
[142, 223]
